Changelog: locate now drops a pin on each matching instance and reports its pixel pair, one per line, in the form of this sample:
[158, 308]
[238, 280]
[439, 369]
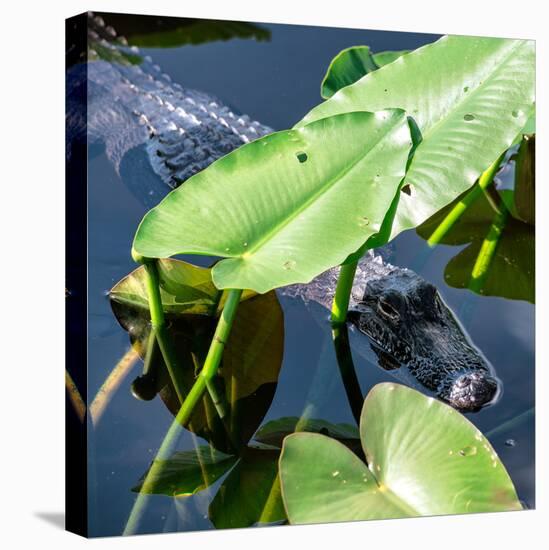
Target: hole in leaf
[301, 156]
[466, 89]
[407, 189]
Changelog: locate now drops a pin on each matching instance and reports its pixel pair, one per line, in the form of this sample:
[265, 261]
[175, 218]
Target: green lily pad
[286, 207]
[351, 65]
[469, 97]
[423, 458]
[249, 370]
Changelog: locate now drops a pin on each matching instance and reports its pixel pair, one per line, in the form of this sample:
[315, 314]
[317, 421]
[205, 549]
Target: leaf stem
[207, 373]
[459, 209]
[211, 364]
[346, 366]
[159, 326]
[342, 295]
[487, 251]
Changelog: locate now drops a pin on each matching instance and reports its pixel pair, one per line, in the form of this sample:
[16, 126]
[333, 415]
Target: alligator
[409, 326]
[134, 104]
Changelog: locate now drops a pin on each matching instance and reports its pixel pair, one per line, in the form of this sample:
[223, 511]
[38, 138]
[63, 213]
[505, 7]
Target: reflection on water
[275, 82]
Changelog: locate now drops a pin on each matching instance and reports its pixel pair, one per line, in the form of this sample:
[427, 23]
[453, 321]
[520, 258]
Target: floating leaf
[424, 458]
[251, 492]
[286, 207]
[171, 32]
[273, 432]
[187, 472]
[469, 97]
[351, 65]
[253, 355]
[512, 269]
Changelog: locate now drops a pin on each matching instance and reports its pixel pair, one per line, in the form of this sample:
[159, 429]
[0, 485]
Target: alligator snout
[471, 391]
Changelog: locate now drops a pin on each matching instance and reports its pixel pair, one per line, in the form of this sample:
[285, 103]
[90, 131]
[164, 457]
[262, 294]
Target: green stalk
[487, 252]
[459, 209]
[211, 364]
[347, 371]
[159, 326]
[170, 440]
[342, 295]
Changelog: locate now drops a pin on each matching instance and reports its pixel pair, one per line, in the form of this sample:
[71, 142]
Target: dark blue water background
[275, 82]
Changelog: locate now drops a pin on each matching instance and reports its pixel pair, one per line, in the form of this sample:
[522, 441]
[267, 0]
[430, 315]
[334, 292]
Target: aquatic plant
[422, 458]
[382, 155]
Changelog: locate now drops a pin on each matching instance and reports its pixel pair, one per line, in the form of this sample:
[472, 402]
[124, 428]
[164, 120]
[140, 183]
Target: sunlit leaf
[423, 458]
[469, 97]
[352, 64]
[286, 207]
[346, 68]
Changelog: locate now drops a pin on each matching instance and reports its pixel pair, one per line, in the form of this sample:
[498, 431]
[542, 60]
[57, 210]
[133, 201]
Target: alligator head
[409, 323]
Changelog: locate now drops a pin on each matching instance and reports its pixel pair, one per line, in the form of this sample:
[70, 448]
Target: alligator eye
[386, 309]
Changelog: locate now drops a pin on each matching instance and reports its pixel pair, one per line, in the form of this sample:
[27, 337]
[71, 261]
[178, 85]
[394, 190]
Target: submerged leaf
[251, 492]
[286, 207]
[275, 431]
[249, 370]
[469, 97]
[511, 272]
[423, 458]
[187, 472]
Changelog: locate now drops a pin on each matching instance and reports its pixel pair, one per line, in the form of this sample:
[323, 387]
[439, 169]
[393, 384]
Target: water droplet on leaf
[469, 117]
[510, 443]
[470, 450]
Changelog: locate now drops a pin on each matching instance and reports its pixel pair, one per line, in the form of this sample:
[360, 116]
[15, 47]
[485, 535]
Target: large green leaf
[511, 273]
[286, 207]
[250, 494]
[253, 355]
[424, 458]
[351, 65]
[469, 97]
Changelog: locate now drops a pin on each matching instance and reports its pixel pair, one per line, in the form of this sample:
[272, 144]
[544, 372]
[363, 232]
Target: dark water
[275, 82]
